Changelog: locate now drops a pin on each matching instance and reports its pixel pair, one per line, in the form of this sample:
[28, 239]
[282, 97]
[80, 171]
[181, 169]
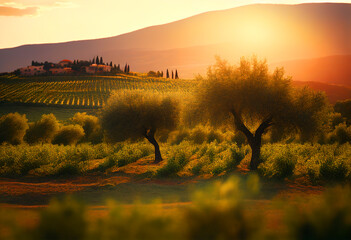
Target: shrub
[44, 130]
[329, 217]
[178, 157]
[234, 155]
[333, 169]
[278, 161]
[69, 135]
[176, 137]
[62, 220]
[91, 126]
[128, 153]
[199, 135]
[341, 134]
[219, 212]
[13, 127]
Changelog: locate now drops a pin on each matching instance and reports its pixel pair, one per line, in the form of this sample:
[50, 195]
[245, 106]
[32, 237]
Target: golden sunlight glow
[68, 20]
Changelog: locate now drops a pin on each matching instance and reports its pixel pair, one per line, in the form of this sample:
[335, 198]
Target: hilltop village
[96, 66]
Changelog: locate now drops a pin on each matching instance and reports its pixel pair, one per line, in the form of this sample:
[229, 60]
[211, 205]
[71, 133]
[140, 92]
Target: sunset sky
[49, 21]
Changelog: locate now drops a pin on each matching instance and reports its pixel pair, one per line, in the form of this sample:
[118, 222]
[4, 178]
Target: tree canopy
[253, 100]
[139, 114]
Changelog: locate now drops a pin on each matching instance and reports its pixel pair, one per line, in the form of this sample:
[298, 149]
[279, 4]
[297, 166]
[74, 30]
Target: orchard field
[86, 92]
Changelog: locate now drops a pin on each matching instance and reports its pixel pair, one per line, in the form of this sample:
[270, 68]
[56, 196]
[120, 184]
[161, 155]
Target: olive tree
[13, 127]
[43, 130]
[254, 100]
[90, 124]
[139, 114]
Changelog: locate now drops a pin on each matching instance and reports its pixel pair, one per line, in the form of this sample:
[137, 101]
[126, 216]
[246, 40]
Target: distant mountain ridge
[330, 69]
[286, 32]
[334, 92]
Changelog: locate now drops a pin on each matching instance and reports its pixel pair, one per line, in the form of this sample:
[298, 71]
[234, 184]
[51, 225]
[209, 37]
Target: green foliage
[344, 108]
[42, 131]
[128, 153]
[62, 220]
[341, 134]
[326, 218]
[316, 162]
[13, 127]
[178, 158]
[219, 210]
[47, 159]
[215, 158]
[130, 114]
[278, 161]
[138, 223]
[69, 135]
[91, 126]
[253, 93]
[218, 213]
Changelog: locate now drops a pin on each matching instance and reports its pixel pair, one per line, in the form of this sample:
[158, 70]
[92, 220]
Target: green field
[86, 92]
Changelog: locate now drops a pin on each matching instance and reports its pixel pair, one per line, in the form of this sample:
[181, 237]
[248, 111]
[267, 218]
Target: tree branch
[264, 125]
[241, 126]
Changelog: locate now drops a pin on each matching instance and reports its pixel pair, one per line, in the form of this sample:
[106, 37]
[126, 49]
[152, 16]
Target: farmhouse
[32, 70]
[65, 62]
[94, 68]
[58, 71]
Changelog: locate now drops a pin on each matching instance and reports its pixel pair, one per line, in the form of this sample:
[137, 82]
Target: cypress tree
[167, 74]
[97, 60]
[111, 64]
[128, 68]
[101, 61]
[119, 67]
[125, 68]
[172, 74]
[176, 74]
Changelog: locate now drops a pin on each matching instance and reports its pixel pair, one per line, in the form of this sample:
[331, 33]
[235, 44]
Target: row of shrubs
[48, 159]
[15, 129]
[217, 212]
[197, 159]
[316, 162]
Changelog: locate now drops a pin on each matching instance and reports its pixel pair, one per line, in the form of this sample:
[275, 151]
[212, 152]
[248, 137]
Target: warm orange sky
[48, 21]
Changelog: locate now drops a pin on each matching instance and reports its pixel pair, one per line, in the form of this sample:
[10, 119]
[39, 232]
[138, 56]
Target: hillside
[331, 69]
[334, 92]
[277, 32]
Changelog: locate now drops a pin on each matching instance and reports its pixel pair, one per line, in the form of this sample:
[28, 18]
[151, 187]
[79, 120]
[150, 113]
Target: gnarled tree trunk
[150, 136]
[254, 140]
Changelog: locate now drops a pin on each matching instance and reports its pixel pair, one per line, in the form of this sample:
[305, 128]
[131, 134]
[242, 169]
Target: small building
[32, 70]
[65, 62]
[94, 68]
[59, 71]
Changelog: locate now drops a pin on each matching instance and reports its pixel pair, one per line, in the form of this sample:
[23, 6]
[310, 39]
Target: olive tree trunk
[150, 136]
[254, 140]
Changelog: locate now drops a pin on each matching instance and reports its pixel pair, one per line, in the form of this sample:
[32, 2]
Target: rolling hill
[334, 92]
[277, 32]
[331, 69]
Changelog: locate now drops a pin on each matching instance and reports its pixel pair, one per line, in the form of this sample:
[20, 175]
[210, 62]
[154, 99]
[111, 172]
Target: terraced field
[80, 91]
